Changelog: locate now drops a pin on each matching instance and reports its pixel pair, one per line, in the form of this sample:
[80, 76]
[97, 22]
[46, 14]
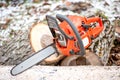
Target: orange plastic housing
[86, 35]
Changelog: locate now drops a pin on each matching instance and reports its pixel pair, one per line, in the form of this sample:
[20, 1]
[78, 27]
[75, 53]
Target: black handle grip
[86, 26]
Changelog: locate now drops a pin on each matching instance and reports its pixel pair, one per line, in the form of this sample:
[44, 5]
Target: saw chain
[104, 42]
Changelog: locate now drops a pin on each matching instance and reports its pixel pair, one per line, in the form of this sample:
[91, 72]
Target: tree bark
[16, 50]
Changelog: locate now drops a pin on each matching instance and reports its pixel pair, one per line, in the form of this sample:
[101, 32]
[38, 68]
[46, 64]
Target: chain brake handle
[53, 24]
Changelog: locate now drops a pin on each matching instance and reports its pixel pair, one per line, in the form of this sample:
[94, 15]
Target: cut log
[36, 33]
[93, 58]
[89, 58]
[40, 37]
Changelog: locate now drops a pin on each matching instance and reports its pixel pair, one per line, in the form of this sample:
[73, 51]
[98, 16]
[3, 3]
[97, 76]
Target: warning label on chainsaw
[85, 41]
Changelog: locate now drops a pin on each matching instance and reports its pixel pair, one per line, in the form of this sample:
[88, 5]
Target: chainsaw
[71, 36]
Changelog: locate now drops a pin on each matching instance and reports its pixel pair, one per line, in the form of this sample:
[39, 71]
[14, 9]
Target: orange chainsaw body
[86, 34]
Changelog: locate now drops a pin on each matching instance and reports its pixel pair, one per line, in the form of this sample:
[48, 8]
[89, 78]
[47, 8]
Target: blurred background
[18, 16]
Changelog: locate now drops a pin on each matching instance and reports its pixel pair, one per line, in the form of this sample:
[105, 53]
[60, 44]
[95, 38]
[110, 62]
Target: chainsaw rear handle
[98, 29]
[80, 43]
[53, 24]
[92, 20]
[95, 19]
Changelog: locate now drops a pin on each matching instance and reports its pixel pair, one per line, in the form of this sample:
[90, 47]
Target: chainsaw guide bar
[34, 59]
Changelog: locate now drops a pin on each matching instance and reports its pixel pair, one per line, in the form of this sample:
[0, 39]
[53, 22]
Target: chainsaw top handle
[80, 43]
[53, 24]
